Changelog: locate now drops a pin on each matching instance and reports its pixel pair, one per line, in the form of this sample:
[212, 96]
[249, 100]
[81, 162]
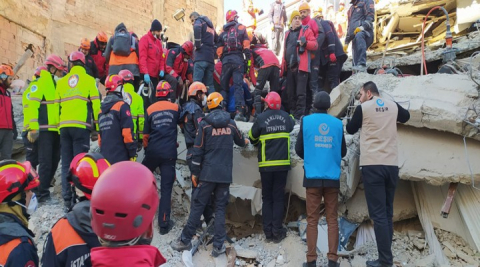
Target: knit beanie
[293, 15]
[321, 101]
[156, 26]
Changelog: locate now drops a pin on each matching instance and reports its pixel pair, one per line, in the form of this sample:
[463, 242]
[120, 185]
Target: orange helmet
[195, 87]
[6, 71]
[102, 37]
[16, 177]
[231, 15]
[303, 6]
[163, 89]
[85, 170]
[85, 44]
[214, 100]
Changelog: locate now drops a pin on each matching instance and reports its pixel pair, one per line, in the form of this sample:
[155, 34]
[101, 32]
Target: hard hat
[214, 100]
[303, 6]
[188, 48]
[124, 202]
[16, 177]
[102, 37]
[85, 169]
[318, 12]
[85, 44]
[195, 87]
[76, 56]
[6, 70]
[163, 89]
[273, 100]
[55, 61]
[39, 69]
[113, 82]
[126, 75]
[231, 15]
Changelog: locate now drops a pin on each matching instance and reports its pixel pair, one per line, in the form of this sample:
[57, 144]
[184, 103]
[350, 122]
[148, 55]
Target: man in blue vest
[321, 144]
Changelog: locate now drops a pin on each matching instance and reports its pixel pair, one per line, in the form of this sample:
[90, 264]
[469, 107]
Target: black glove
[15, 133]
[303, 40]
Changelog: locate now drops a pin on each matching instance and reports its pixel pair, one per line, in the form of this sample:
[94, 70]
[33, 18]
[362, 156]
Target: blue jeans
[203, 72]
[361, 42]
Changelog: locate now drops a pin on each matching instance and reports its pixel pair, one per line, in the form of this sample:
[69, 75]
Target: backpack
[122, 42]
[232, 43]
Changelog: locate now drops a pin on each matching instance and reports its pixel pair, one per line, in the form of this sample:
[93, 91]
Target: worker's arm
[312, 44]
[251, 73]
[162, 57]
[220, 45]
[356, 122]
[50, 257]
[172, 55]
[126, 124]
[245, 41]
[299, 145]
[197, 33]
[108, 50]
[36, 97]
[146, 130]
[403, 114]
[142, 59]
[284, 14]
[254, 133]
[141, 117]
[198, 150]
[271, 13]
[95, 70]
[95, 99]
[369, 10]
[330, 37]
[344, 145]
[237, 135]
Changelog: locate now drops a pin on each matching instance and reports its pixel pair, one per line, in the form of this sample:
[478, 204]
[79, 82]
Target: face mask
[204, 100]
[32, 205]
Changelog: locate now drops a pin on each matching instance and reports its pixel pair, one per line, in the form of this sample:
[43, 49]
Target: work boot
[333, 263]
[178, 245]
[43, 199]
[359, 68]
[279, 237]
[376, 263]
[218, 251]
[310, 264]
[164, 230]
[239, 114]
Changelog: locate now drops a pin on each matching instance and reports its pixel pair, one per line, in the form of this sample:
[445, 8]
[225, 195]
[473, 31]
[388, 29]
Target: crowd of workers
[64, 112]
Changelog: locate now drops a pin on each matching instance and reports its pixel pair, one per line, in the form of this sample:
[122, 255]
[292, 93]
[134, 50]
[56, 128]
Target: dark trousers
[273, 192]
[201, 197]
[360, 43]
[330, 73]
[6, 144]
[297, 91]
[236, 71]
[315, 73]
[48, 159]
[167, 174]
[380, 182]
[73, 141]
[270, 74]
[31, 150]
[203, 72]
[313, 203]
[277, 41]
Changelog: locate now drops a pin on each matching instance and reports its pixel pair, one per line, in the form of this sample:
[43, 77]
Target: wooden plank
[429, 25]
[468, 202]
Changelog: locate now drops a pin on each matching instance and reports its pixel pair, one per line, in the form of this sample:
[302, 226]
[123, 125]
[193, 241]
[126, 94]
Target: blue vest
[322, 140]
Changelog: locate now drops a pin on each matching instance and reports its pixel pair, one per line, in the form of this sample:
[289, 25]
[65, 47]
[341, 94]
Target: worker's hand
[32, 136]
[303, 41]
[146, 78]
[345, 48]
[139, 145]
[94, 136]
[133, 159]
[180, 81]
[247, 141]
[358, 29]
[194, 180]
[333, 58]
[162, 73]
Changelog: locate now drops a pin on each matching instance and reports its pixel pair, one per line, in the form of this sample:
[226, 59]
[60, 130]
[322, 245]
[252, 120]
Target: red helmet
[126, 75]
[188, 48]
[124, 202]
[55, 61]
[85, 170]
[76, 56]
[16, 177]
[273, 100]
[39, 69]
[163, 89]
[112, 82]
[102, 37]
[231, 15]
[195, 87]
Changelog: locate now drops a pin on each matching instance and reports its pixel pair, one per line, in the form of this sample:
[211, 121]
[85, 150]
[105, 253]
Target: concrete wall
[57, 26]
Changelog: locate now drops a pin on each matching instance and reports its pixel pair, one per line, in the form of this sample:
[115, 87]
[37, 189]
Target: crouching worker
[124, 202]
[17, 203]
[321, 139]
[71, 238]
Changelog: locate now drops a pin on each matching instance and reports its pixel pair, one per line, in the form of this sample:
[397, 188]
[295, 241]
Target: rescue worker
[122, 52]
[31, 149]
[152, 58]
[17, 204]
[230, 108]
[234, 52]
[205, 39]
[71, 238]
[212, 162]
[305, 13]
[124, 225]
[300, 42]
[177, 64]
[271, 132]
[79, 101]
[136, 106]
[268, 69]
[90, 66]
[160, 142]
[8, 128]
[321, 139]
[361, 17]
[43, 113]
[378, 116]
[116, 139]
[97, 47]
[278, 20]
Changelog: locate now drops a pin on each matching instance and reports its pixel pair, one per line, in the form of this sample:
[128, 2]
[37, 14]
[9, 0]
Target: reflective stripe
[94, 97]
[250, 135]
[266, 163]
[47, 102]
[47, 126]
[140, 115]
[274, 136]
[73, 98]
[171, 72]
[34, 120]
[195, 163]
[75, 122]
[134, 117]
[331, 45]
[274, 163]
[35, 99]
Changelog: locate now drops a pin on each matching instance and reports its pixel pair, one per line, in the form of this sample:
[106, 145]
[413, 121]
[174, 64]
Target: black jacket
[16, 242]
[271, 133]
[205, 39]
[91, 67]
[331, 44]
[191, 115]
[212, 159]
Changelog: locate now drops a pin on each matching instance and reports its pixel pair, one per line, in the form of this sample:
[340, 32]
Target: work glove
[94, 136]
[15, 133]
[32, 136]
[358, 29]
[333, 58]
[345, 48]
[146, 78]
[162, 73]
[194, 180]
[139, 145]
[133, 159]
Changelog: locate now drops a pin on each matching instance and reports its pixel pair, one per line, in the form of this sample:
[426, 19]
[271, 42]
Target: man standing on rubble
[360, 31]
[278, 20]
[321, 139]
[8, 129]
[379, 161]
